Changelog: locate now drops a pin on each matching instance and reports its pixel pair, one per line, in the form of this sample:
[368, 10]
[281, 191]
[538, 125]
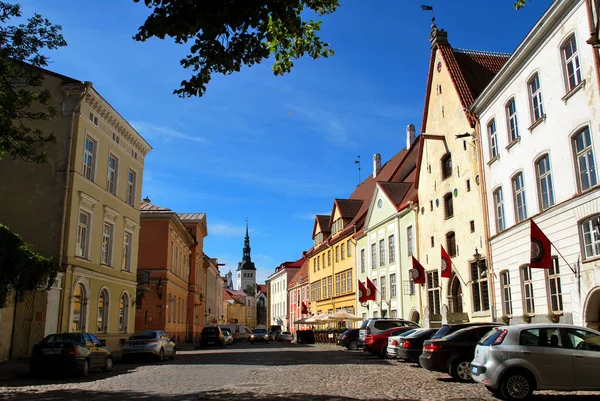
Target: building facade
[214, 286]
[278, 292]
[540, 136]
[298, 298]
[86, 203]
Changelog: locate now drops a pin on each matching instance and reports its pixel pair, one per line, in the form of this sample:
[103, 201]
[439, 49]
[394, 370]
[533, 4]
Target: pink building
[298, 298]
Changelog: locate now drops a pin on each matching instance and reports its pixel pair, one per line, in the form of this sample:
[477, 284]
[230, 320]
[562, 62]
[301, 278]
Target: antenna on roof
[358, 162]
[429, 8]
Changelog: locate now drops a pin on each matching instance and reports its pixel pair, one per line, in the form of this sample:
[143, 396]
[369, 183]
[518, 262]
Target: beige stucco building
[82, 209]
[450, 202]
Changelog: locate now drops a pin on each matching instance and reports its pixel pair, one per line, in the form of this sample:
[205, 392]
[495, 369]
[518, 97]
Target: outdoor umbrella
[315, 319]
[343, 316]
[300, 321]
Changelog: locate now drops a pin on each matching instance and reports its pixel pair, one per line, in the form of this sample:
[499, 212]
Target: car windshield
[441, 332]
[490, 337]
[143, 335]
[210, 330]
[286, 332]
[408, 333]
[63, 338]
[259, 331]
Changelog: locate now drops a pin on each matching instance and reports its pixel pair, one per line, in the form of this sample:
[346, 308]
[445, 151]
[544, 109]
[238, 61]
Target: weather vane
[358, 162]
[429, 8]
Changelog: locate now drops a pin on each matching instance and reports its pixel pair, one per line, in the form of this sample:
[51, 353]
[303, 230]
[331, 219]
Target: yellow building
[82, 209]
[448, 177]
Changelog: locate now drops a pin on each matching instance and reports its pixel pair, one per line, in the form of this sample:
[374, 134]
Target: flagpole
[563, 258]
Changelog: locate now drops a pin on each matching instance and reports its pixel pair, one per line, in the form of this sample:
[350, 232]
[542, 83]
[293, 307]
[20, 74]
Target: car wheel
[161, 355]
[517, 385]
[85, 369]
[353, 345]
[461, 370]
[174, 353]
[108, 365]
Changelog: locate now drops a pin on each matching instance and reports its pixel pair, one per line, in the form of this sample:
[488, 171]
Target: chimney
[146, 199]
[376, 164]
[410, 135]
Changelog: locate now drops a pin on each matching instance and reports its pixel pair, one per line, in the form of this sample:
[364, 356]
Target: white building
[540, 141]
[278, 293]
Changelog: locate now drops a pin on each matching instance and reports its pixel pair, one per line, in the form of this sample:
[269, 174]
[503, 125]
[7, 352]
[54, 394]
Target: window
[318, 260]
[451, 244]
[127, 248]
[79, 308]
[113, 166]
[542, 337]
[337, 284]
[491, 128]
[349, 280]
[590, 230]
[329, 285]
[409, 240]
[472, 225]
[433, 292]
[535, 98]
[337, 253]
[375, 284]
[93, 118]
[570, 57]
[432, 241]
[348, 246]
[107, 241]
[499, 210]
[375, 314]
[373, 255]
[446, 166]
[343, 251]
[123, 313]
[392, 248]
[584, 155]
[131, 187]
[505, 293]
[102, 324]
[89, 159]
[468, 185]
[324, 285]
[393, 291]
[362, 260]
[323, 260]
[83, 233]
[511, 121]
[382, 287]
[555, 288]
[519, 195]
[329, 257]
[448, 207]
[343, 282]
[381, 252]
[528, 300]
[544, 178]
[479, 286]
[314, 266]
[394, 314]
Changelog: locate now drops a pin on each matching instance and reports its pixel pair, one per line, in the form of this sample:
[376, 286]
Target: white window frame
[131, 187]
[383, 287]
[534, 89]
[512, 122]
[127, 251]
[499, 209]
[555, 294]
[433, 292]
[88, 231]
[108, 239]
[89, 158]
[393, 286]
[112, 175]
[544, 179]
[493, 138]
[520, 201]
[587, 178]
[505, 293]
[362, 261]
[409, 240]
[392, 248]
[481, 286]
[572, 78]
[527, 290]
[373, 255]
[590, 237]
[382, 252]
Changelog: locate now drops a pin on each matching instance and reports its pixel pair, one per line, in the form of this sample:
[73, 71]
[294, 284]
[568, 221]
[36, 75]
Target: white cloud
[308, 215]
[224, 230]
[164, 133]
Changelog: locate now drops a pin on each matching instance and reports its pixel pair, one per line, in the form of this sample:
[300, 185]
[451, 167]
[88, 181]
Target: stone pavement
[261, 372]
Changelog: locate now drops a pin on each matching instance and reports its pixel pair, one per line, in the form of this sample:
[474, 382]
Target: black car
[349, 339]
[259, 335]
[453, 353]
[212, 336]
[411, 346]
[446, 329]
[70, 353]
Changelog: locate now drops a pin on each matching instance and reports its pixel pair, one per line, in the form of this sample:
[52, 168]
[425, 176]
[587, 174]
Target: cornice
[117, 122]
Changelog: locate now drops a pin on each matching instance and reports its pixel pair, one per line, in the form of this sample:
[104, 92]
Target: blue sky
[275, 150]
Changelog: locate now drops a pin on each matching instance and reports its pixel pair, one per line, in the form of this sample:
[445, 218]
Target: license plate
[51, 351]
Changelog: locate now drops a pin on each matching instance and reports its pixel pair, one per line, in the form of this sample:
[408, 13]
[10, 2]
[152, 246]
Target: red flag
[304, 309]
[446, 264]
[371, 290]
[540, 249]
[362, 292]
[418, 272]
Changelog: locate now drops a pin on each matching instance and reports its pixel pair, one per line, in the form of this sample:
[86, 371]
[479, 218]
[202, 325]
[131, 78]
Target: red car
[376, 344]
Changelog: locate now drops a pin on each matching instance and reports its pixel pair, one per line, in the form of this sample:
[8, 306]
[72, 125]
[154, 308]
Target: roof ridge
[482, 52]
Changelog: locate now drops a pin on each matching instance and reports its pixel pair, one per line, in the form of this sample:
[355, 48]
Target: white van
[239, 331]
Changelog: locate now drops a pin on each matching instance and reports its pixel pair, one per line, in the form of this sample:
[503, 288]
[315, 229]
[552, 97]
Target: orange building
[168, 275]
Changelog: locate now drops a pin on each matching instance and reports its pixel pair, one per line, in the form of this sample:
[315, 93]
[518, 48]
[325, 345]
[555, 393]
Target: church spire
[246, 263]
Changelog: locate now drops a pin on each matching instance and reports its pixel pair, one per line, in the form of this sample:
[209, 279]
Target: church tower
[246, 272]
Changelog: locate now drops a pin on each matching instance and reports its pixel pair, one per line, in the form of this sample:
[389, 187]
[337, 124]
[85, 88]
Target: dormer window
[337, 226]
[446, 165]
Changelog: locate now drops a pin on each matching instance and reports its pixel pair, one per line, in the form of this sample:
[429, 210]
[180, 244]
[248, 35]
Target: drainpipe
[61, 249]
[594, 31]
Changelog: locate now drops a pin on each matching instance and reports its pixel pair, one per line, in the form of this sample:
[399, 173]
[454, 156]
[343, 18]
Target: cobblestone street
[260, 372]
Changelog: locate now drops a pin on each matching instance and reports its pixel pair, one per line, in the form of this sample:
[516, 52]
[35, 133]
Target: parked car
[149, 343]
[286, 336]
[514, 361]
[378, 325]
[376, 344]
[271, 335]
[227, 330]
[228, 337]
[278, 335]
[453, 353]
[349, 339]
[239, 331]
[70, 353]
[446, 329]
[394, 342]
[212, 335]
[259, 335]
[411, 347]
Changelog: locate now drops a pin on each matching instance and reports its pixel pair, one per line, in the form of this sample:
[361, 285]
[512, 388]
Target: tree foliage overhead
[21, 269]
[227, 34]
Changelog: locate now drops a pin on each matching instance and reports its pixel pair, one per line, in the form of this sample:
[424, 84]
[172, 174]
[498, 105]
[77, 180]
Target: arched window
[511, 121]
[535, 98]
[446, 166]
[505, 293]
[123, 312]
[544, 181]
[518, 185]
[571, 65]
[493, 138]
[79, 308]
[590, 233]
[528, 299]
[102, 322]
[585, 164]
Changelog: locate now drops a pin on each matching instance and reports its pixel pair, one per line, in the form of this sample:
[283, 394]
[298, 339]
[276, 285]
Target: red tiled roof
[396, 191]
[146, 207]
[262, 288]
[348, 207]
[301, 276]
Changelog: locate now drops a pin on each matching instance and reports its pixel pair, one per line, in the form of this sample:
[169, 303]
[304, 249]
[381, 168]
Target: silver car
[513, 361]
[395, 343]
[154, 343]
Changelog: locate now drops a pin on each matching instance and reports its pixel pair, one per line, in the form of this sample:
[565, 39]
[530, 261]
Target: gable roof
[347, 207]
[395, 191]
[323, 221]
[470, 71]
[301, 276]
[192, 216]
[147, 207]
